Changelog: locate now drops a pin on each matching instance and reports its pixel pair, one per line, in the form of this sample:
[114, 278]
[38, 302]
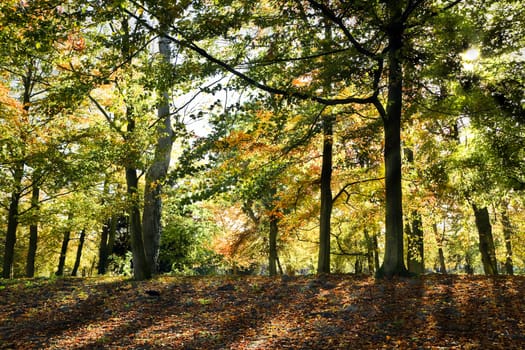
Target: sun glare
[470, 57]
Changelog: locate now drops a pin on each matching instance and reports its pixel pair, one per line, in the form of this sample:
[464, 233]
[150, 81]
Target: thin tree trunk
[441, 255]
[393, 262]
[376, 251]
[274, 229]
[141, 269]
[323, 264]
[151, 218]
[486, 240]
[12, 222]
[507, 234]
[415, 252]
[81, 241]
[63, 250]
[369, 252]
[33, 232]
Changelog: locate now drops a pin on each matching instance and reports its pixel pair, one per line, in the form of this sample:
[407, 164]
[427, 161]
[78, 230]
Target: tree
[387, 31]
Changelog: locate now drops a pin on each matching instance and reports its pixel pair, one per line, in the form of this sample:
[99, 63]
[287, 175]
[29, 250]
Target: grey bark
[151, 218]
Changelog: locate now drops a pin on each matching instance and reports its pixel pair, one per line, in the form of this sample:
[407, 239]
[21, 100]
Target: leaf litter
[254, 312]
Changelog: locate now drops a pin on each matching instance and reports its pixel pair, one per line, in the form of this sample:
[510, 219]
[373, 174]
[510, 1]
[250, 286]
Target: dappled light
[323, 312]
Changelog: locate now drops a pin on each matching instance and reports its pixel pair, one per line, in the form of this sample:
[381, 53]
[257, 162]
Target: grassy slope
[327, 312]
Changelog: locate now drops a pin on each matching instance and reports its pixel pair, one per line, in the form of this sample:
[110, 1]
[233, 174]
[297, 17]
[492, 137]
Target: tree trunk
[33, 233]
[103, 252]
[441, 255]
[12, 222]
[507, 234]
[151, 218]
[63, 251]
[369, 252]
[274, 229]
[323, 263]
[141, 269]
[415, 253]
[486, 241]
[81, 240]
[393, 262]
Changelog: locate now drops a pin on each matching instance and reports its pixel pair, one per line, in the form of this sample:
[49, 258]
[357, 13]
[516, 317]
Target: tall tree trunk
[274, 229]
[393, 262]
[415, 252]
[151, 218]
[141, 268]
[486, 240]
[507, 234]
[81, 240]
[323, 263]
[33, 233]
[441, 255]
[12, 221]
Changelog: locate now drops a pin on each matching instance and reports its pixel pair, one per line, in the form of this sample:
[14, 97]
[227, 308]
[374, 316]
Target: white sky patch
[470, 58]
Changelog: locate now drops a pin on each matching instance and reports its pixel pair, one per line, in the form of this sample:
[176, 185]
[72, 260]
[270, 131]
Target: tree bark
[63, 250]
[78, 257]
[369, 252]
[507, 234]
[141, 268]
[103, 252]
[393, 261]
[274, 230]
[12, 221]
[415, 252]
[441, 255]
[151, 218]
[486, 240]
[33, 233]
[323, 263]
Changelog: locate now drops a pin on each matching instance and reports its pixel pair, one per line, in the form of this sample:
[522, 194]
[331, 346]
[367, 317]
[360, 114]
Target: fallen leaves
[324, 312]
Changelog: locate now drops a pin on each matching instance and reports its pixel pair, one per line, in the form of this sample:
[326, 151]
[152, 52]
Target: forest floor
[313, 312]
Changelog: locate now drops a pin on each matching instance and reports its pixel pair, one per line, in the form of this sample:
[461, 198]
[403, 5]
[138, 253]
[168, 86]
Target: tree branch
[343, 190]
[272, 90]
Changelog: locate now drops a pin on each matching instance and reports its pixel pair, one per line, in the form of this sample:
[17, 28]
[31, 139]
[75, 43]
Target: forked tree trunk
[486, 240]
[141, 268]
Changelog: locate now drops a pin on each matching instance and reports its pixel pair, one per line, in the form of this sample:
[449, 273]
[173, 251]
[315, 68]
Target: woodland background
[231, 136]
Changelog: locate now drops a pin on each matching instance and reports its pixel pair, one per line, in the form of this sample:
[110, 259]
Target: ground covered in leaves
[316, 312]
